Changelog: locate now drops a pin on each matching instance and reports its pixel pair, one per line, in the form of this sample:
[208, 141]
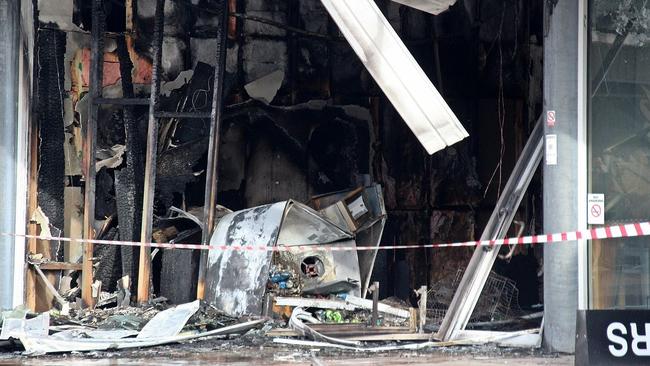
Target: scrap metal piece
[470, 288]
[170, 322]
[20, 327]
[369, 237]
[302, 225]
[434, 7]
[236, 279]
[362, 212]
[397, 73]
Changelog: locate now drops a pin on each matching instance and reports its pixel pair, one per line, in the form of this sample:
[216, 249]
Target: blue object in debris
[280, 277]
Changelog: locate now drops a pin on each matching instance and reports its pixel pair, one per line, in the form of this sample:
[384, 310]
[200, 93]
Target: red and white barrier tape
[605, 232]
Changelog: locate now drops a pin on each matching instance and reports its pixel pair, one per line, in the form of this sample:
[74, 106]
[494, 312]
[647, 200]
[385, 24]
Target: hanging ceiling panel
[397, 73]
[430, 6]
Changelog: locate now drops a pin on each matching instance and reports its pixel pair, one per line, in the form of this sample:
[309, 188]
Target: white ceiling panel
[397, 73]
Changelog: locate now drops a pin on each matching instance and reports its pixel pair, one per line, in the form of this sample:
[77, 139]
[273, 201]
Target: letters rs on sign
[640, 339]
[596, 209]
[550, 118]
[612, 337]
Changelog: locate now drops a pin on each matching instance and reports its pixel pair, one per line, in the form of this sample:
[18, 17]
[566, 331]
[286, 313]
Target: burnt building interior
[300, 117]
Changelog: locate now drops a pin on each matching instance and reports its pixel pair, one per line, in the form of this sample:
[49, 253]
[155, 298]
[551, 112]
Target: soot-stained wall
[329, 127]
[487, 65]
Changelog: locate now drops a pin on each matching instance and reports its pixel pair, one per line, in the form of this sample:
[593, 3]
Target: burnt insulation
[129, 180]
[51, 170]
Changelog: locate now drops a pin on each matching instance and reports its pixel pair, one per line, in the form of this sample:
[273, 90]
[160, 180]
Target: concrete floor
[316, 361]
[256, 349]
[211, 353]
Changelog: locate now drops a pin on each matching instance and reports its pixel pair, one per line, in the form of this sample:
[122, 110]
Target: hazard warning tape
[605, 232]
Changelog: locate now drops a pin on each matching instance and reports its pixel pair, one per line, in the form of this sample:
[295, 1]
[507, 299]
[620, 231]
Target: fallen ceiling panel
[471, 285]
[430, 6]
[397, 73]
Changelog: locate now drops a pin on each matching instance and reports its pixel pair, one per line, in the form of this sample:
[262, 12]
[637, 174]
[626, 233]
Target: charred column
[212, 171]
[129, 182]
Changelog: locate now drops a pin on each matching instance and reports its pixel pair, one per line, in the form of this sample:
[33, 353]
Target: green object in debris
[333, 316]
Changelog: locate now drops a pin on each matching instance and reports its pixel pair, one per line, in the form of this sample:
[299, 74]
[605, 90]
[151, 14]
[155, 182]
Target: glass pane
[619, 147]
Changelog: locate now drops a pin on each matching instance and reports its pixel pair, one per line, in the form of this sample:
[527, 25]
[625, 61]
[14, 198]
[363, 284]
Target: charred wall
[487, 65]
[329, 127]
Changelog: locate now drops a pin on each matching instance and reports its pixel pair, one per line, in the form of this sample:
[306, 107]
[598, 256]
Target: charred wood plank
[144, 269]
[90, 140]
[212, 171]
[129, 182]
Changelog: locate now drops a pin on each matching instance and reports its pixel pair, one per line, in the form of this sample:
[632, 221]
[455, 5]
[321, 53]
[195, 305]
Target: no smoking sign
[596, 209]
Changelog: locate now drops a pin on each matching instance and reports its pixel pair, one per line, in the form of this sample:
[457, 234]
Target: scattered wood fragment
[350, 303]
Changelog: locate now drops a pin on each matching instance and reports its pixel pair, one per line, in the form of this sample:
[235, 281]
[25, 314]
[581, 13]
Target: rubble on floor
[349, 324]
[87, 330]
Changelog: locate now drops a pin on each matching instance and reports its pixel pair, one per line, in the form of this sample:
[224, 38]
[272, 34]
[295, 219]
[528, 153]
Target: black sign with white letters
[613, 337]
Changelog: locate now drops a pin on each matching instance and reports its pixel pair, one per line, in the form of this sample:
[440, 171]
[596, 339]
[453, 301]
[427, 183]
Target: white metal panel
[236, 280]
[398, 74]
[471, 285]
[430, 6]
[26, 66]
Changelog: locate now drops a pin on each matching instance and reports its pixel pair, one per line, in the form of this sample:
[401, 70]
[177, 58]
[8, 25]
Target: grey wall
[560, 181]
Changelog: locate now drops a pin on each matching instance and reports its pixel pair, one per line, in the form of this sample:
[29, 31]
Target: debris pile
[117, 328]
[237, 280]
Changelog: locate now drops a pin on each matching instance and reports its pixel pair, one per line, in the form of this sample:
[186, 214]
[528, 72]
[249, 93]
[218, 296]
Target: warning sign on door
[596, 209]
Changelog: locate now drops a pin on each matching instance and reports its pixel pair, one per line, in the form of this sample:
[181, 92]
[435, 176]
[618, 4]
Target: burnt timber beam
[144, 268]
[212, 171]
[90, 139]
